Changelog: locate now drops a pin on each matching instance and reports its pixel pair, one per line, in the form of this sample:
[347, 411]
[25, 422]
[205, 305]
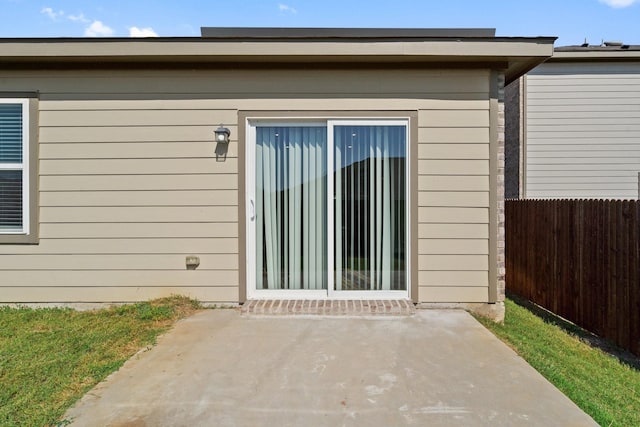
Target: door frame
[246, 155]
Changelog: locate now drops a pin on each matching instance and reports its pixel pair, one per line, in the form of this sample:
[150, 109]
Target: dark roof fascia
[342, 33]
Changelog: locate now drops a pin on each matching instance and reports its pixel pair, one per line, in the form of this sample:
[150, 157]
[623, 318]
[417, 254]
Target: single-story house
[257, 163]
[573, 125]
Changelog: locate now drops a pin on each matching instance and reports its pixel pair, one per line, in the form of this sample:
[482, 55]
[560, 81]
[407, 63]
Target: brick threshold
[322, 307]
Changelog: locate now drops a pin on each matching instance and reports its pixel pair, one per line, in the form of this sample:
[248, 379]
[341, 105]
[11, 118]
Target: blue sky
[571, 20]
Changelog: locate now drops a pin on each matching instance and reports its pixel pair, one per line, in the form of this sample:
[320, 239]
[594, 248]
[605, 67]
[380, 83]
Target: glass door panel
[291, 207]
[370, 207]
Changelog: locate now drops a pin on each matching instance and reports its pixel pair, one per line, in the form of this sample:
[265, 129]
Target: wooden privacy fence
[580, 260]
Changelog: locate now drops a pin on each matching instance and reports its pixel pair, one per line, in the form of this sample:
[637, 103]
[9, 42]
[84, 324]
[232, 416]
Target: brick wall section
[500, 190]
[512, 139]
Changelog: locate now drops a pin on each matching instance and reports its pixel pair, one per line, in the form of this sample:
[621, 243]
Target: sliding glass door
[290, 207]
[370, 197]
[327, 208]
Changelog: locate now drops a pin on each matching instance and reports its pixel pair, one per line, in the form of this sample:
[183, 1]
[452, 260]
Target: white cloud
[618, 4]
[284, 8]
[98, 29]
[52, 13]
[142, 32]
[78, 18]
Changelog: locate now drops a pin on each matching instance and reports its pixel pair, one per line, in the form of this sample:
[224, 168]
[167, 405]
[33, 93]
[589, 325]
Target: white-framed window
[14, 168]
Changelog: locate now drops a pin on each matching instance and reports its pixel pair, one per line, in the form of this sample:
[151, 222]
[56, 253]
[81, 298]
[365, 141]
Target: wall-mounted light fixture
[222, 135]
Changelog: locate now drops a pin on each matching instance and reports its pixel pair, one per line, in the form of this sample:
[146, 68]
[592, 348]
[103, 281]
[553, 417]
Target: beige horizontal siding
[75, 294]
[454, 263]
[132, 133]
[453, 215]
[453, 183]
[453, 278]
[125, 230]
[582, 131]
[454, 199]
[175, 262]
[137, 166]
[101, 214]
[140, 198]
[272, 102]
[453, 231]
[113, 277]
[457, 118]
[453, 247]
[452, 101]
[83, 118]
[454, 135]
[73, 246]
[453, 294]
[134, 150]
[453, 151]
[454, 167]
[131, 184]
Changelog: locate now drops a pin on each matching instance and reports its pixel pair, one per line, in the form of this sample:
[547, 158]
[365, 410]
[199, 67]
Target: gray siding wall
[130, 183]
[583, 130]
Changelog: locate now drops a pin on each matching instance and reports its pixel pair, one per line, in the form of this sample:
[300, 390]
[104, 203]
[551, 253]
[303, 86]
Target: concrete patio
[435, 367]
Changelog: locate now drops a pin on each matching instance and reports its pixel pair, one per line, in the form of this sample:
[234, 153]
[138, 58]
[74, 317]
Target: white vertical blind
[370, 232]
[367, 207]
[11, 167]
[291, 207]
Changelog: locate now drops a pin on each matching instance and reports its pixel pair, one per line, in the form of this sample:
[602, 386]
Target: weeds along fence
[579, 259]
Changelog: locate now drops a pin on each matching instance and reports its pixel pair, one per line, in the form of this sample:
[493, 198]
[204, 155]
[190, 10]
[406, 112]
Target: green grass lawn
[597, 382]
[50, 357]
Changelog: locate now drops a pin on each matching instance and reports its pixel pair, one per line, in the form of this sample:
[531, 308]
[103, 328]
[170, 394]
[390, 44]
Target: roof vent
[585, 44]
[613, 43]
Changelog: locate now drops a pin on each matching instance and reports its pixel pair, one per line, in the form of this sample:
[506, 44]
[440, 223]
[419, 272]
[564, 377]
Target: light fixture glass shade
[222, 134]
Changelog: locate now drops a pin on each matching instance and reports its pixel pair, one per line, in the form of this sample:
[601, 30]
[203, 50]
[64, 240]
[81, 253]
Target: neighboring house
[573, 125]
[113, 188]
